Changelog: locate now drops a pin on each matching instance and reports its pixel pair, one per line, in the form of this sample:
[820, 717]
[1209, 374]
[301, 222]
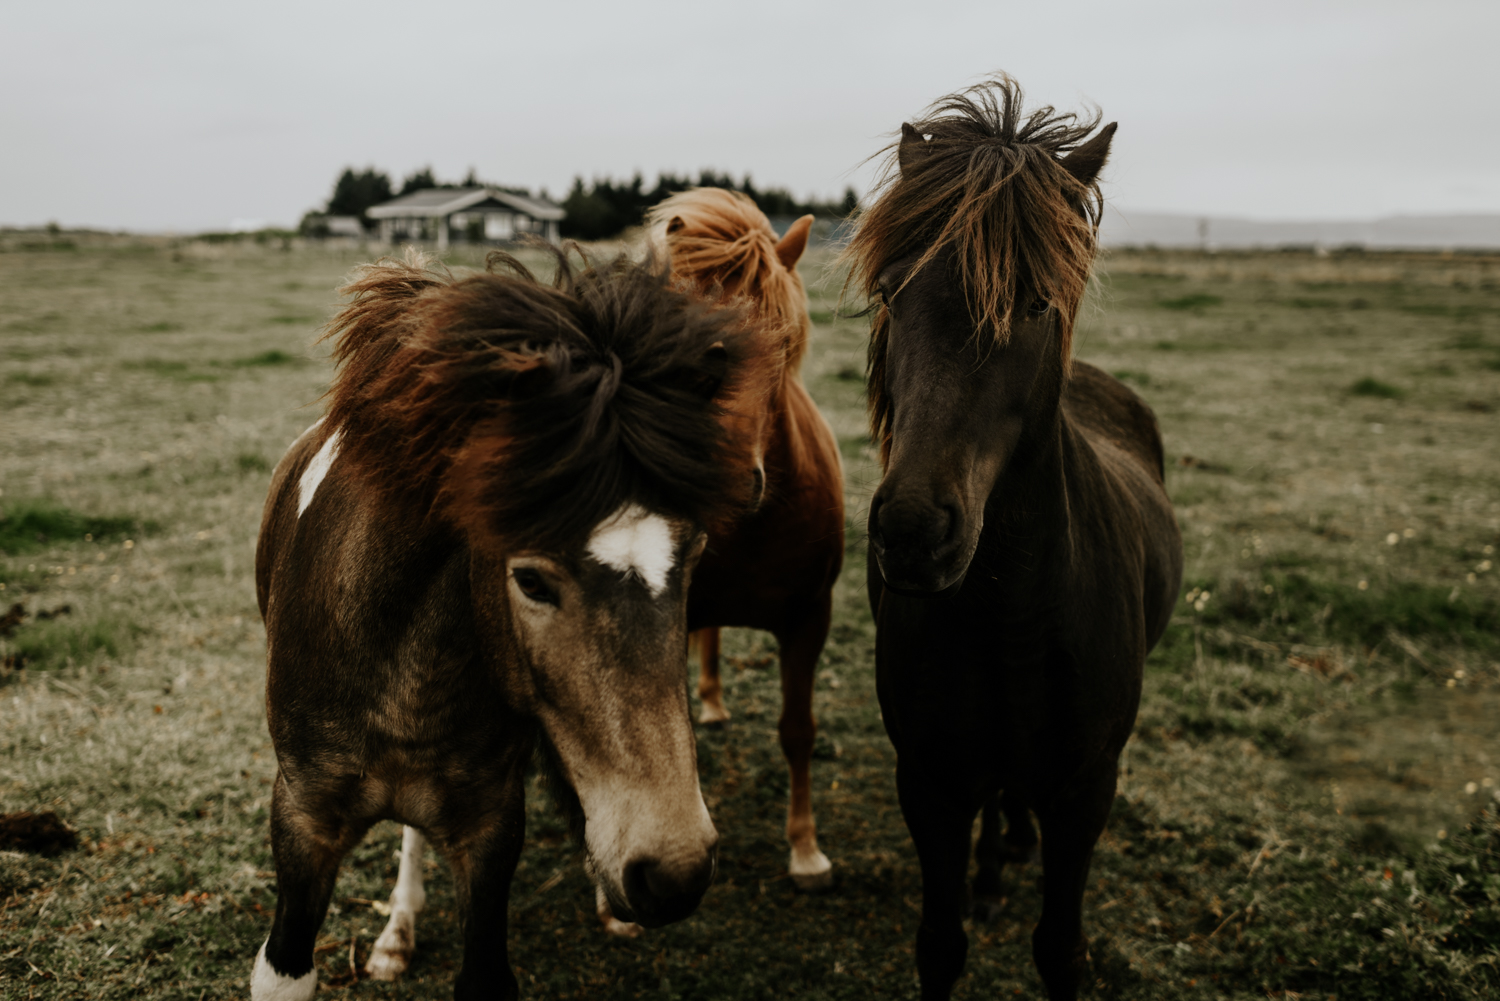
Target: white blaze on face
[634, 541]
[316, 470]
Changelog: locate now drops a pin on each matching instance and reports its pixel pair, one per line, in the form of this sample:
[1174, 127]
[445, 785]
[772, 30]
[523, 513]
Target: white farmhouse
[466, 215]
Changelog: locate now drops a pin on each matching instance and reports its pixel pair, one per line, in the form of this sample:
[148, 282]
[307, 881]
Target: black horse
[1023, 491]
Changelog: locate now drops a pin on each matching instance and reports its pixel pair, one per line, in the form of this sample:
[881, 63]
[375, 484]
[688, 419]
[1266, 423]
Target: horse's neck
[1030, 508]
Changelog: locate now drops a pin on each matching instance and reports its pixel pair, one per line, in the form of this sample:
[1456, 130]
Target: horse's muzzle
[920, 548]
[659, 893]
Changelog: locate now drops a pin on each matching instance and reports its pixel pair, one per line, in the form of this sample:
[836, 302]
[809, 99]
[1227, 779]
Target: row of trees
[596, 211]
[606, 207]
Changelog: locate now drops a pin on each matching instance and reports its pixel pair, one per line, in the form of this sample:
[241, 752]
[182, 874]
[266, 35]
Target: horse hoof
[394, 948]
[387, 965]
[268, 985]
[988, 908]
[713, 716]
[811, 872]
[622, 929]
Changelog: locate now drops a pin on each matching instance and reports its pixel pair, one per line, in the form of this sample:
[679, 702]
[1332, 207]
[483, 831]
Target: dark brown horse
[1025, 557]
[486, 545]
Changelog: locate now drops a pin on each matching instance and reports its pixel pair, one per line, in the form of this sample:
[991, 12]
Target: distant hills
[1414, 232]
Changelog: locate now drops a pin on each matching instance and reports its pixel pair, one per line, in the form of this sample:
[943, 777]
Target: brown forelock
[989, 183]
[725, 240]
[531, 411]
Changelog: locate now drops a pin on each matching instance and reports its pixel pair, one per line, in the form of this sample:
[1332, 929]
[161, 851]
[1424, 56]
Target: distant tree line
[596, 211]
[605, 207]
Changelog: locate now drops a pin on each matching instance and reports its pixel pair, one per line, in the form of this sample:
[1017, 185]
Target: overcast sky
[186, 115]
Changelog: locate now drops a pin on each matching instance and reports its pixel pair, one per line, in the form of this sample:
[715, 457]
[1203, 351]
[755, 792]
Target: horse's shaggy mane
[531, 411]
[718, 239]
[988, 181]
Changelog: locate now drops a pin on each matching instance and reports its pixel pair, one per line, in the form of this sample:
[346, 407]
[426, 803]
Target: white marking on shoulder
[268, 985]
[316, 470]
[635, 541]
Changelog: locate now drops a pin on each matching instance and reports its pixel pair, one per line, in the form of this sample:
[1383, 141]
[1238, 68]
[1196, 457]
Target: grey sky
[185, 115]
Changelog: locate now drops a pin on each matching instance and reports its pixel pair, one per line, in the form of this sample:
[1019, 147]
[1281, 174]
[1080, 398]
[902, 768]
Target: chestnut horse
[485, 546]
[1025, 554]
[773, 569]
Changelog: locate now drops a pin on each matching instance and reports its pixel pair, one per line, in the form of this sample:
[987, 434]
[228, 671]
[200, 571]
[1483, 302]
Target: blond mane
[721, 243]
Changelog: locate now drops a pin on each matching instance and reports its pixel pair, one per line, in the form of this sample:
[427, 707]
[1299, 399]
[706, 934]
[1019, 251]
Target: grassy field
[1307, 809]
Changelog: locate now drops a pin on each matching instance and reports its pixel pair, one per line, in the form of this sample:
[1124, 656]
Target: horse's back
[1104, 407]
[1127, 444]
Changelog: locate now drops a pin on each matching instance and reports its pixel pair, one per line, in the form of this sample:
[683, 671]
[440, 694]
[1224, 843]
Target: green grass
[272, 357]
[27, 526]
[1141, 379]
[1291, 748]
[252, 462]
[1369, 386]
[1195, 300]
[71, 639]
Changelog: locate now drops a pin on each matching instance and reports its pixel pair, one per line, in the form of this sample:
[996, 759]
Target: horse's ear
[674, 224]
[1085, 162]
[794, 243]
[709, 378]
[910, 149]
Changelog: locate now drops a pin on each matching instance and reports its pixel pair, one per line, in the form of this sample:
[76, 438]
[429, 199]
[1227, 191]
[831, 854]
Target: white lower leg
[612, 924]
[809, 867]
[268, 985]
[395, 946]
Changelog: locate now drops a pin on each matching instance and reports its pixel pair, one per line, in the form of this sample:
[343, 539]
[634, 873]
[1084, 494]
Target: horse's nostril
[946, 523]
[659, 886]
[915, 526]
[660, 894]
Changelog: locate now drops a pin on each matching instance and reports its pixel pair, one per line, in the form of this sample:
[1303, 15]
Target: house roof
[445, 201]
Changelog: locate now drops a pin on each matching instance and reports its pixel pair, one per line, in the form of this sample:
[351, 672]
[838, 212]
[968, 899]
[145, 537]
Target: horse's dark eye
[1039, 307]
[534, 586]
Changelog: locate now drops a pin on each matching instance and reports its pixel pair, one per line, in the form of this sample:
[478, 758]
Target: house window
[499, 226]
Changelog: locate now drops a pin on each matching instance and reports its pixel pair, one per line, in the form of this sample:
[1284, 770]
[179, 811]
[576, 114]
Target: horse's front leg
[710, 686]
[1071, 824]
[484, 860]
[800, 647]
[994, 849]
[396, 944]
[308, 845]
[940, 831]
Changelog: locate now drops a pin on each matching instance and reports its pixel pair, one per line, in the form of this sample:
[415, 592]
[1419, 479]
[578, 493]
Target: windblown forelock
[531, 412]
[724, 237]
[988, 183]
